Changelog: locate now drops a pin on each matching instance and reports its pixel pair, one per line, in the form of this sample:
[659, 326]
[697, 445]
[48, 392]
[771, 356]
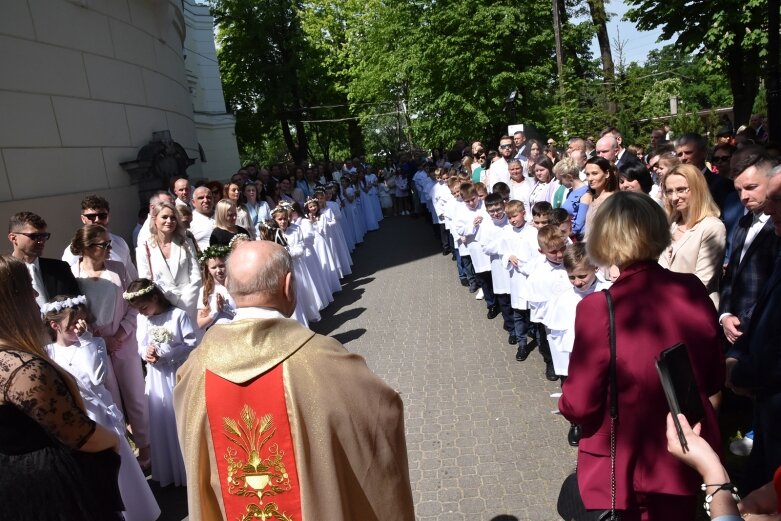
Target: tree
[731, 34]
[599, 18]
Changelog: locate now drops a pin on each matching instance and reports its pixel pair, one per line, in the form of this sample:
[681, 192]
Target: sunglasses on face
[103, 245]
[95, 216]
[37, 237]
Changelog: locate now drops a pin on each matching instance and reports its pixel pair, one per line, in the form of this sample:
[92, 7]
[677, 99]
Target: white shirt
[201, 227]
[498, 173]
[753, 231]
[257, 312]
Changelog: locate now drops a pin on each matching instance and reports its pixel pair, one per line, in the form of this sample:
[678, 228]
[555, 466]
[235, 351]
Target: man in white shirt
[203, 216]
[182, 191]
[95, 210]
[499, 172]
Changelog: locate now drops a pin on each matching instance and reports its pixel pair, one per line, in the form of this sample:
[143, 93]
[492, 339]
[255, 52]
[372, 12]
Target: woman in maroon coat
[654, 309]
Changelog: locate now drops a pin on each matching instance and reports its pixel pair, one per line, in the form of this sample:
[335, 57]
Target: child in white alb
[85, 358]
[166, 337]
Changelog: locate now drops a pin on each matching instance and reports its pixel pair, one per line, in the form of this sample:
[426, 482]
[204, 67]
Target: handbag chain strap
[613, 402]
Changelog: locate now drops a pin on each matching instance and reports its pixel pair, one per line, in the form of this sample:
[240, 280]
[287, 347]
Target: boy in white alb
[491, 238]
[560, 319]
[467, 223]
[546, 282]
[438, 196]
[466, 272]
[520, 255]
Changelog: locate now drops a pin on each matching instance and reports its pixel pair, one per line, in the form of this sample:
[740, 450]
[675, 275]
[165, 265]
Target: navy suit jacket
[744, 280]
[57, 278]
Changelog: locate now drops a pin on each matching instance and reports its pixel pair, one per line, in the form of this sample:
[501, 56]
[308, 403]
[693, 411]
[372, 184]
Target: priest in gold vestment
[276, 422]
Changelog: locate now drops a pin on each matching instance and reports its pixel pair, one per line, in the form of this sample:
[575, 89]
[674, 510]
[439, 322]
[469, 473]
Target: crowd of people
[599, 244]
[122, 320]
[685, 238]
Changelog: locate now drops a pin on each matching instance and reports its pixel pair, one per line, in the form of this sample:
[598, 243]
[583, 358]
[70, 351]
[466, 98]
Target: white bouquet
[160, 335]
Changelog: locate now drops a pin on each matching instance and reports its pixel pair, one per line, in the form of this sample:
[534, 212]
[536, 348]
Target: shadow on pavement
[348, 336]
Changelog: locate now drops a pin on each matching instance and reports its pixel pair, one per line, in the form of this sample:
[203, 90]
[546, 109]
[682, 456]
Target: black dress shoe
[493, 312]
[522, 354]
[550, 372]
[473, 288]
[465, 283]
[512, 340]
[573, 436]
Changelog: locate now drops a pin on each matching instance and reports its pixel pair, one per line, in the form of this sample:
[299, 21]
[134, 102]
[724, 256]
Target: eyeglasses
[103, 245]
[37, 237]
[677, 191]
[495, 210]
[719, 159]
[505, 146]
[92, 217]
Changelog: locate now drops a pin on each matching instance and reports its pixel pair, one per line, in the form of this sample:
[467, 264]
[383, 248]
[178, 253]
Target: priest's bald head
[260, 274]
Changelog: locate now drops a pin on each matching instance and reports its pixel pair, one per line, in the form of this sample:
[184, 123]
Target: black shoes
[523, 353]
[446, 251]
[550, 372]
[493, 312]
[573, 436]
[472, 288]
[465, 283]
[512, 340]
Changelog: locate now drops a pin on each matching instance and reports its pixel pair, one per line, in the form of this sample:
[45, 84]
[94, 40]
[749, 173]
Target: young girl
[322, 222]
[165, 339]
[85, 357]
[332, 231]
[402, 194]
[215, 305]
[315, 256]
[333, 202]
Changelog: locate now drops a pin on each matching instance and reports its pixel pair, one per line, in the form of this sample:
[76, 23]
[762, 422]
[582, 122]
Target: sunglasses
[37, 237]
[103, 245]
[505, 146]
[719, 159]
[95, 216]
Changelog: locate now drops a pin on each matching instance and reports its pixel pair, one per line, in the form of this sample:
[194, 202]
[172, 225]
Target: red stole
[253, 447]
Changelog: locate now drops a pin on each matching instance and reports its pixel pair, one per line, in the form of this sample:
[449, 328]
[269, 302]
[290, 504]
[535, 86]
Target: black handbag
[570, 504]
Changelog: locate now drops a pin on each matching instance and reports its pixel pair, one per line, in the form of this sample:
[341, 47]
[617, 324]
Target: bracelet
[730, 487]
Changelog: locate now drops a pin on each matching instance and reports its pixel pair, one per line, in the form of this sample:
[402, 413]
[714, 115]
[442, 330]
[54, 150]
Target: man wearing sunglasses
[95, 210]
[51, 277]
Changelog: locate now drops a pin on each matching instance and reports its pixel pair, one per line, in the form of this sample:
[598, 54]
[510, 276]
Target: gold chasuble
[278, 423]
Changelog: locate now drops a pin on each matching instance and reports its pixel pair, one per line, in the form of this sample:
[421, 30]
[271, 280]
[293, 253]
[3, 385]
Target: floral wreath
[213, 252]
[62, 304]
[236, 239]
[135, 294]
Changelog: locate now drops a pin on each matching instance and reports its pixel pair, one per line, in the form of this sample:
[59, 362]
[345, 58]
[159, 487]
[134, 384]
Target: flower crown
[135, 294]
[311, 200]
[62, 304]
[237, 239]
[214, 252]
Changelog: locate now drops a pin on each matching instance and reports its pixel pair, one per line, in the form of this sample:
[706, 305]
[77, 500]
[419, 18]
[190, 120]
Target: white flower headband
[62, 304]
[238, 238]
[135, 294]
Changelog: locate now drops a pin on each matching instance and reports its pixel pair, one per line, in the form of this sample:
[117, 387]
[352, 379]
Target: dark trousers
[485, 281]
[503, 299]
[520, 325]
[541, 336]
[443, 236]
[469, 269]
[765, 454]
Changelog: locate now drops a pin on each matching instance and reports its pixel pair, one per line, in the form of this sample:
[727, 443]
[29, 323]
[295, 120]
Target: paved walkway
[483, 442]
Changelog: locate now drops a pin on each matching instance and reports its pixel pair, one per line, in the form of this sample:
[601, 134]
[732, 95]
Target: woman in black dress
[225, 229]
[50, 451]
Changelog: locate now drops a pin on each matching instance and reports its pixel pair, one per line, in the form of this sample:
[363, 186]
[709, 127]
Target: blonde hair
[221, 212]
[628, 227]
[20, 323]
[179, 234]
[566, 167]
[701, 203]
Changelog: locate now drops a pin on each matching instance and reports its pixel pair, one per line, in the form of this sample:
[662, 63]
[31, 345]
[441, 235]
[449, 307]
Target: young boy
[520, 255]
[541, 214]
[563, 220]
[503, 190]
[467, 224]
[560, 319]
[546, 282]
[491, 238]
[466, 272]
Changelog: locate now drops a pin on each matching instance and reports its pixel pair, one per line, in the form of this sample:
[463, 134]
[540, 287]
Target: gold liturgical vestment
[346, 427]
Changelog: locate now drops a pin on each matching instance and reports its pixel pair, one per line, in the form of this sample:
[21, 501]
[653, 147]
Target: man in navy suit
[754, 362]
[755, 247]
[51, 277]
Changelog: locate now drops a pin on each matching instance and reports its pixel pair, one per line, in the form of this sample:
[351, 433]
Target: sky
[637, 43]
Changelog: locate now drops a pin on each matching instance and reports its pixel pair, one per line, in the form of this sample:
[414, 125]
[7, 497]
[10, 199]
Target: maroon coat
[655, 309]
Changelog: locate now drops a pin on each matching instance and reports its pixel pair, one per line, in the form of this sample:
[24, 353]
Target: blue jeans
[521, 325]
[485, 281]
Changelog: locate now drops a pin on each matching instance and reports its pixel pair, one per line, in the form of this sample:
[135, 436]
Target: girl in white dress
[364, 201]
[307, 298]
[351, 205]
[333, 234]
[326, 283]
[166, 337]
[85, 357]
[215, 305]
[333, 203]
[372, 182]
[328, 260]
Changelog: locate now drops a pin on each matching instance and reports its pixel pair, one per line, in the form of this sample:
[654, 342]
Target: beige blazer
[700, 251]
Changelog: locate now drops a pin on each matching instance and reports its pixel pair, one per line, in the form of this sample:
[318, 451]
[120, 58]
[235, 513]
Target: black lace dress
[40, 429]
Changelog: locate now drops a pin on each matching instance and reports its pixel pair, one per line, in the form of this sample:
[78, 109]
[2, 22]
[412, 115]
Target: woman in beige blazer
[698, 235]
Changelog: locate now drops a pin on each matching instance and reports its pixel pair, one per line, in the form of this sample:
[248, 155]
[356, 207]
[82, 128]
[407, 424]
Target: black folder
[680, 387]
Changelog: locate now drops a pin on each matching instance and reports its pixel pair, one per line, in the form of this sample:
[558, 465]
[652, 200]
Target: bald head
[260, 274]
[607, 147]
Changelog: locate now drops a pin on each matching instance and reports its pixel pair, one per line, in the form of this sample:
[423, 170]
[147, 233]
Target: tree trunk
[355, 138]
[599, 18]
[744, 81]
